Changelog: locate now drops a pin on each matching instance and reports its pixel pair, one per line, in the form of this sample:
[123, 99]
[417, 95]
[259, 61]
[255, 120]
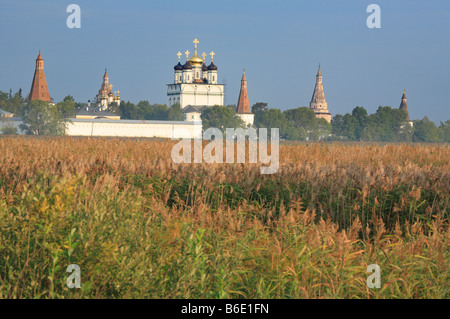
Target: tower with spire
[318, 103]
[243, 107]
[39, 89]
[195, 83]
[105, 95]
[404, 105]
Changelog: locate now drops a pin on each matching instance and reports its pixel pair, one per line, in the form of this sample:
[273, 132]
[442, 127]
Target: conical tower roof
[319, 73]
[39, 88]
[318, 94]
[243, 102]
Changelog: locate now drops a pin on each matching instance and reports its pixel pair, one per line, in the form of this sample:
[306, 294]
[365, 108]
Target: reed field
[140, 226]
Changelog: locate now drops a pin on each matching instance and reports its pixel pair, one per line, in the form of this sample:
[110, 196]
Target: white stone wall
[131, 128]
[125, 128]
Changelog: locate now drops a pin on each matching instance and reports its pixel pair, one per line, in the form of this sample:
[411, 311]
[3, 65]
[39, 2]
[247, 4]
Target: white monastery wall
[133, 128]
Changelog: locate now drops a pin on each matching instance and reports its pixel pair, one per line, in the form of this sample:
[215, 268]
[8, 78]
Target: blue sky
[279, 43]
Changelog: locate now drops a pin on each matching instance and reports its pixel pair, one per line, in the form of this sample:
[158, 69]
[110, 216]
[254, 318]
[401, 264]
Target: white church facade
[195, 83]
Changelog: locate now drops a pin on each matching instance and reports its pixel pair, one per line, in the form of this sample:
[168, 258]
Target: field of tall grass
[140, 226]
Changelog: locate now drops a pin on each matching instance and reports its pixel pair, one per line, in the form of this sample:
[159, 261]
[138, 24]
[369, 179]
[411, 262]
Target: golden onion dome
[195, 59]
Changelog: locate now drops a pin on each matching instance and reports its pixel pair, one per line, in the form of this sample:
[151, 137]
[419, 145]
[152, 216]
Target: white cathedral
[195, 83]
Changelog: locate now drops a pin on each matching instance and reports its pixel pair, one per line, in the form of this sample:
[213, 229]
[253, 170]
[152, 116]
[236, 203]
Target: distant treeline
[385, 125]
[300, 124]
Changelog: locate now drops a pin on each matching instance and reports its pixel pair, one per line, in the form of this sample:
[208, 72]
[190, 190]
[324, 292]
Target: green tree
[42, 118]
[344, 127]
[425, 131]
[350, 127]
[146, 111]
[304, 119]
[69, 98]
[67, 107]
[160, 112]
[444, 132]
[259, 107]
[387, 125]
[293, 134]
[274, 118]
[360, 115]
[175, 113]
[337, 127]
[13, 103]
[321, 131]
[220, 117]
[130, 111]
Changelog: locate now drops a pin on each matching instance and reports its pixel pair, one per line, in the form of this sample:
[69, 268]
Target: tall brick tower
[39, 89]
[243, 108]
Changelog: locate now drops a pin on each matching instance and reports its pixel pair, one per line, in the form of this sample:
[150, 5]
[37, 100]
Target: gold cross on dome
[196, 42]
[204, 56]
[179, 55]
[212, 56]
[187, 54]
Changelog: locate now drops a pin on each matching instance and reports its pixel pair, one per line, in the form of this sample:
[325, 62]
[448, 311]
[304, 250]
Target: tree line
[299, 124]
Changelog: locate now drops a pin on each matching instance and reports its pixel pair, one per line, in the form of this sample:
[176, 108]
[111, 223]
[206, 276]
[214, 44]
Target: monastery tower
[243, 108]
[404, 105]
[318, 103]
[39, 89]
